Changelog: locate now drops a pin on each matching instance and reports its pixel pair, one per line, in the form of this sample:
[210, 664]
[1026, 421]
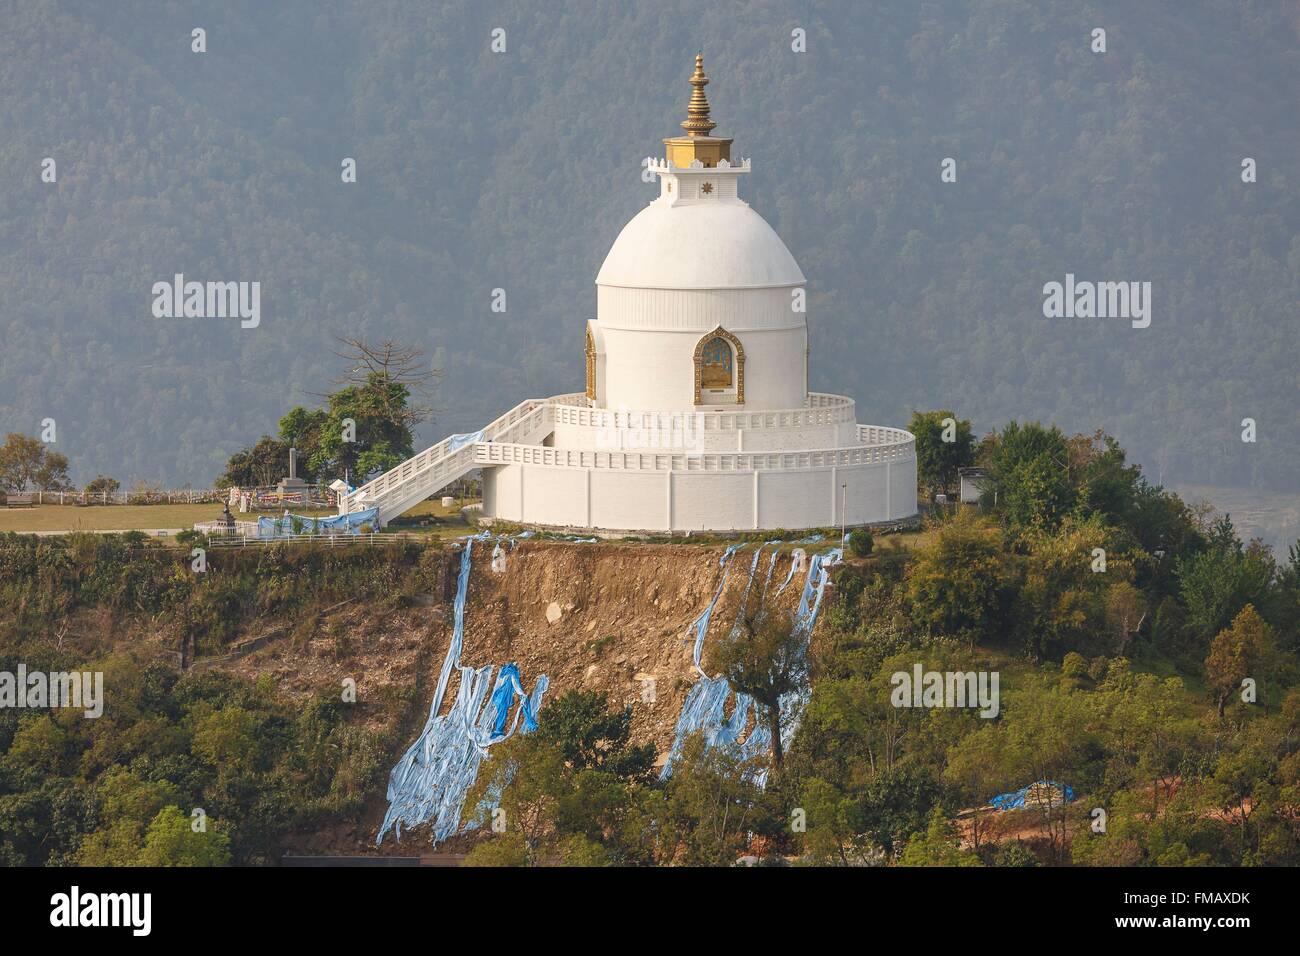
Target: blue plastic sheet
[457, 442]
[704, 710]
[430, 782]
[335, 524]
[1016, 799]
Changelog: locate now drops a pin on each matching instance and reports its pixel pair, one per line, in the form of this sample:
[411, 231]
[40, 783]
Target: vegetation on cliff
[1147, 659]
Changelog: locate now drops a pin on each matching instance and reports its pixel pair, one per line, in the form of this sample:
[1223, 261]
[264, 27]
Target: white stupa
[696, 413]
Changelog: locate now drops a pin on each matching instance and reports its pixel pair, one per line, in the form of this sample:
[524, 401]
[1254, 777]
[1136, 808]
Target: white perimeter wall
[699, 501]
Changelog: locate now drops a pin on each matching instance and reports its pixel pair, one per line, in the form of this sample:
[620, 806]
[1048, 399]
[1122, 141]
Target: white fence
[184, 496]
[324, 540]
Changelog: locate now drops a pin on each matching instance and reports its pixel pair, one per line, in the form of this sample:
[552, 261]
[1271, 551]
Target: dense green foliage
[121, 789]
[42, 580]
[260, 465]
[516, 171]
[565, 802]
[943, 444]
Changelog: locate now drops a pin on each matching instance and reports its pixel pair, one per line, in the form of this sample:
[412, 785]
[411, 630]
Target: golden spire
[698, 143]
[698, 122]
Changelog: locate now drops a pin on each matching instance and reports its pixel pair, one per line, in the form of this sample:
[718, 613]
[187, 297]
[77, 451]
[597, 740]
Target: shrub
[103, 485]
[861, 543]
[189, 538]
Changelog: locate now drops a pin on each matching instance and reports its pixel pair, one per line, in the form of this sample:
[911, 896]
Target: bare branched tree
[387, 361]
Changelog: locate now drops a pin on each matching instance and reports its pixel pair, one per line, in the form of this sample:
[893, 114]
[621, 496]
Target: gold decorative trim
[720, 332]
[591, 365]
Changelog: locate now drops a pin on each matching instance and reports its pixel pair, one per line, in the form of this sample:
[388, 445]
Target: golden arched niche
[719, 368]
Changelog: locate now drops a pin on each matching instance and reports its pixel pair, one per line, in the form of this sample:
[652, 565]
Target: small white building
[973, 482]
[697, 413]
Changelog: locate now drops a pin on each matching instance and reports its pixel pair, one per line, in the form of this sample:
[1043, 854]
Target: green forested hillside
[1126, 645]
[479, 171]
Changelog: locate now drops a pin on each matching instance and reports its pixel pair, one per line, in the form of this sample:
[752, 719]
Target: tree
[383, 364]
[976, 768]
[1030, 469]
[127, 804]
[1248, 648]
[1065, 603]
[28, 462]
[356, 435]
[103, 485]
[766, 657]
[1286, 618]
[940, 449]
[20, 457]
[1126, 612]
[228, 740]
[1105, 484]
[710, 807]
[1216, 583]
[1050, 735]
[505, 849]
[938, 845]
[258, 466]
[379, 391]
[171, 840]
[961, 584]
[53, 473]
[563, 789]
[589, 736]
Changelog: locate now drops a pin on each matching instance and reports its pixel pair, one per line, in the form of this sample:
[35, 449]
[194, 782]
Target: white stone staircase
[427, 473]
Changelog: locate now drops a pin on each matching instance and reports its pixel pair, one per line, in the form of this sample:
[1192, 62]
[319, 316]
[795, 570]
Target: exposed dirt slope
[602, 617]
[619, 616]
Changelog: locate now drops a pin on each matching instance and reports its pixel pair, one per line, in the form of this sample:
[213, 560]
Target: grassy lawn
[149, 517]
[907, 539]
[433, 508]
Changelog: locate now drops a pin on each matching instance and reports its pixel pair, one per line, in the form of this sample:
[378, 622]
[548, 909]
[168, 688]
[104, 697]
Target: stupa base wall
[765, 499]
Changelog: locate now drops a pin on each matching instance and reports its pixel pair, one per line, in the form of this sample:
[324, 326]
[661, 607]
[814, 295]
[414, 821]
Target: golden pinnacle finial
[698, 122]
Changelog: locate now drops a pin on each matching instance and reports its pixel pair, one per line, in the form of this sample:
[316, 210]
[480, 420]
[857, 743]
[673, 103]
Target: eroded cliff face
[614, 618]
[609, 617]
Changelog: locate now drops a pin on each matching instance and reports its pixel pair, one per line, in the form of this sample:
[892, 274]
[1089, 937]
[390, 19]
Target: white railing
[897, 446]
[321, 540]
[822, 409]
[221, 529]
[437, 466]
[883, 435]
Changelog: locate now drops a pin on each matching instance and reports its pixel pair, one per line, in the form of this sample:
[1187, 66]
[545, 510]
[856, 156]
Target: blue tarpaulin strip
[335, 524]
[430, 782]
[705, 708]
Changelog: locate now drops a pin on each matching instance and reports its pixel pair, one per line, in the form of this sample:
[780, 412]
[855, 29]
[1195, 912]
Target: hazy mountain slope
[479, 171]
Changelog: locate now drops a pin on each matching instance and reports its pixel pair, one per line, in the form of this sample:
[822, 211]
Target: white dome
[709, 245]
